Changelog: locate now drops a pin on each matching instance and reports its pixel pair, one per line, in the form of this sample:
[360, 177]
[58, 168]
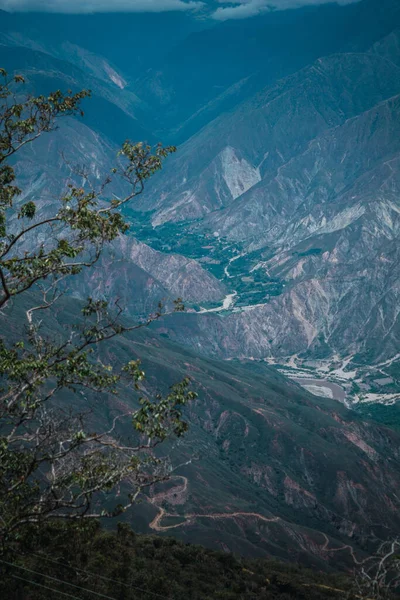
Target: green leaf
[28, 210]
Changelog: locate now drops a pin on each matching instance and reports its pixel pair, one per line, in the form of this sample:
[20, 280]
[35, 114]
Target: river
[226, 304]
[321, 387]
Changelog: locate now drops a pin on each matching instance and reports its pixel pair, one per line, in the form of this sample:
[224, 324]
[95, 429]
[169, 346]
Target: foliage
[52, 464]
[125, 566]
[388, 415]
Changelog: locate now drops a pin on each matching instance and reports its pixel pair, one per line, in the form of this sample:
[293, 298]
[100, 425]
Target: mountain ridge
[268, 469]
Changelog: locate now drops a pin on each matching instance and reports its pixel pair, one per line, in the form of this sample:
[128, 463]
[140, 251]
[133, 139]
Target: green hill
[125, 566]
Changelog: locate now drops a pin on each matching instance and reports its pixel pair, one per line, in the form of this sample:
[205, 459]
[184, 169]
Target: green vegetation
[125, 566]
[222, 258]
[53, 462]
[388, 415]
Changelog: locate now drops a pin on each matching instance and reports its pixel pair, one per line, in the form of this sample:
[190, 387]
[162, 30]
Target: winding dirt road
[187, 518]
[156, 525]
[326, 548]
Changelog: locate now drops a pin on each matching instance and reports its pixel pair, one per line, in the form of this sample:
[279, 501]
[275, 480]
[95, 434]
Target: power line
[45, 587]
[57, 580]
[127, 585]
[57, 562]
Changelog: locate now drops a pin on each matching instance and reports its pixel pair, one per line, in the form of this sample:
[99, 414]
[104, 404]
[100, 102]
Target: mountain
[123, 39]
[107, 562]
[129, 270]
[296, 192]
[187, 69]
[241, 148]
[212, 70]
[267, 469]
[278, 223]
[127, 115]
[271, 469]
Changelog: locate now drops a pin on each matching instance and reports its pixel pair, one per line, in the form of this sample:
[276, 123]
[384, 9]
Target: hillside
[266, 469]
[277, 222]
[126, 566]
[291, 199]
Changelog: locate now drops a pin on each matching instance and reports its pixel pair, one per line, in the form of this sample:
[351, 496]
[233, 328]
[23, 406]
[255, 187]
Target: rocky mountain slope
[239, 149]
[299, 187]
[283, 196]
[266, 468]
[213, 70]
[115, 111]
[270, 468]
[278, 224]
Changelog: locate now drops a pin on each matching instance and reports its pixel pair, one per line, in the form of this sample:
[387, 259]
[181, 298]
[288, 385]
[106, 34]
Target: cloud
[243, 9]
[232, 9]
[95, 6]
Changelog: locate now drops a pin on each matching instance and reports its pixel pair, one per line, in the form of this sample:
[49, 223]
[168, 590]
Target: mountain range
[277, 222]
[267, 469]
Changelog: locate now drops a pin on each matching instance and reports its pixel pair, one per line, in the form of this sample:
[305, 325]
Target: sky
[93, 6]
[243, 9]
[228, 9]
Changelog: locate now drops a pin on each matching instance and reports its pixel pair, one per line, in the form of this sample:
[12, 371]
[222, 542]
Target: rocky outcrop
[324, 219]
[130, 271]
[179, 275]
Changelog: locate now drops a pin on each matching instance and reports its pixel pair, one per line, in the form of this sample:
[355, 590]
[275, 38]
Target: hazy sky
[229, 9]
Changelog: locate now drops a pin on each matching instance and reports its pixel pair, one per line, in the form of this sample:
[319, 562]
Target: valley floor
[336, 379]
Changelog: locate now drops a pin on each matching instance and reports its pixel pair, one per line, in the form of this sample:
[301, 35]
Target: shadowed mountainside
[266, 469]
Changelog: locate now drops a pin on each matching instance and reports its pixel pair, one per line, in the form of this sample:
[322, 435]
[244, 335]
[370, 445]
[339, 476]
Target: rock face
[130, 270]
[314, 205]
[226, 178]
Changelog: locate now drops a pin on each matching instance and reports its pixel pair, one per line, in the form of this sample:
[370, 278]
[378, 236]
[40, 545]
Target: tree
[378, 578]
[52, 465]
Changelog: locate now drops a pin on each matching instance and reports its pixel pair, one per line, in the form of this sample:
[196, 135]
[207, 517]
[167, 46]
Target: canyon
[277, 222]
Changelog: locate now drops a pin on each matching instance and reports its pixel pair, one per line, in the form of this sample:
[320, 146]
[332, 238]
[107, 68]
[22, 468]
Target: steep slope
[297, 193]
[251, 143]
[256, 448]
[126, 40]
[115, 111]
[271, 465]
[213, 70]
[266, 469]
[131, 271]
